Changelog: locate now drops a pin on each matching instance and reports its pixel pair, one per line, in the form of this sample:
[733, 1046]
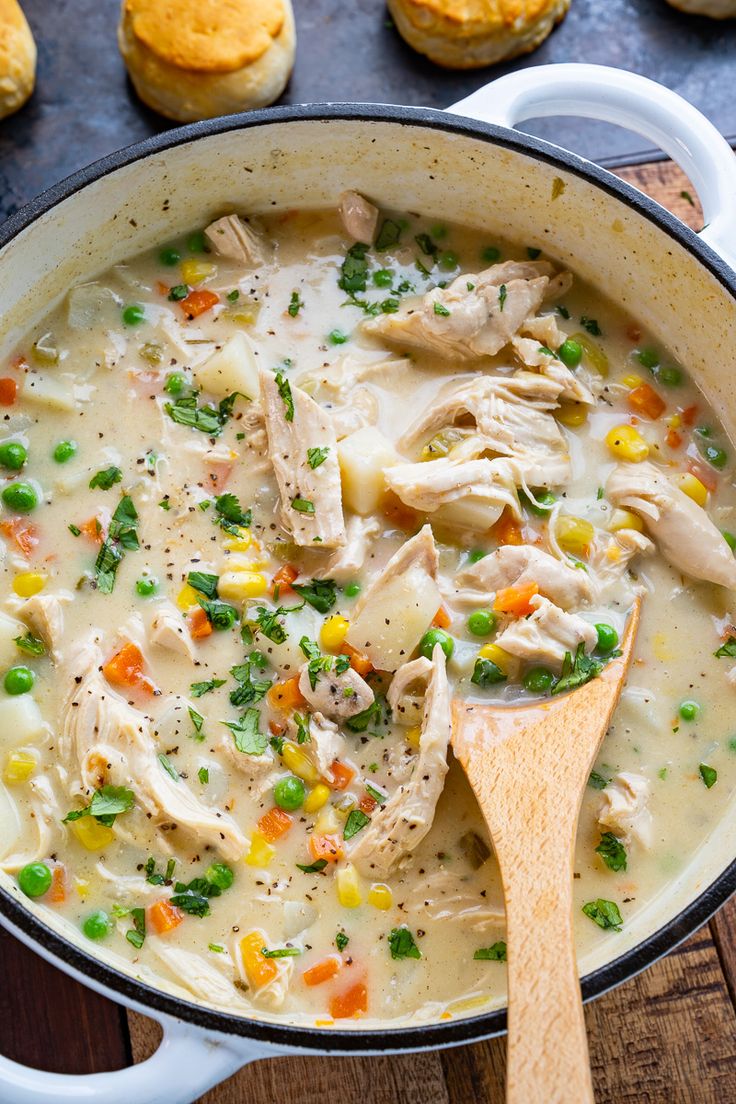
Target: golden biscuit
[17, 58]
[467, 34]
[195, 59]
[716, 9]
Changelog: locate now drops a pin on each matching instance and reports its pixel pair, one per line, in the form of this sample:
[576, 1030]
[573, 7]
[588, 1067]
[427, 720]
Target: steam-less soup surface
[272, 496]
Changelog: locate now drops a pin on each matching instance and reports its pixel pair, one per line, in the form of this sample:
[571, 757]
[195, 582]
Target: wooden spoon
[528, 766]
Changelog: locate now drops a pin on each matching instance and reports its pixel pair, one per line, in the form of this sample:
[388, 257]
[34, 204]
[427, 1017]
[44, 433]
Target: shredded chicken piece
[347, 562]
[536, 346]
[104, 740]
[337, 696]
[359, 217]
[609, 559]
[471, 494]
[623, 809]
[443, 896]
[316, 491]
[232, 238]
[127, 886]
[547, 634]
[400, 825]
[683, 531]
[169, 630]
[197, 975]
[326, 743]
[475, 316]
[46, 815]
[512, 417]
[513, 565]
[44, 616]
[406, 692]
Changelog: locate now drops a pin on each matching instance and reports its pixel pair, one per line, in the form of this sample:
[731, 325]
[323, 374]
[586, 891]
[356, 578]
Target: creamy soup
[274, 494]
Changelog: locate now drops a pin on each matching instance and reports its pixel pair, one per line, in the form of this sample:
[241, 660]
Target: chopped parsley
[203, 775]
[604, 913]
[318, 663]
[194, 897]
[284, 389]
[486, 673]
[709, 775]
[74, 530]
[727, 649]
[361, 722]
[356, 822]
[199, 689]
[495, 953]
[137, 934]
[269, 625]
[341, 939]
[204, 583]
[246, 733]
[247, 692]
[317, 456]
[354, 271]
[591, 325]
[312, 868]
[295, 304]
[320, 594]
[281, 952]
[230, 515]
[30, 644]
[576, 672]
[374, 793]
[168, 767]
[121, 537]
[207, 419]
[198, 721]
[221, 615]
[106, 478]
[388, 235]
[441, 310]
[612, 851]
[107, 803]
[502, 296]
[596, 781]
[427, 246]
[159, 879]
[401, 944]
[302, 505]
[562, 311]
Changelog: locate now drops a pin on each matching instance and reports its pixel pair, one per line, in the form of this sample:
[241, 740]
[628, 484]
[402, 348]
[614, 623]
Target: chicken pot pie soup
[272, 495]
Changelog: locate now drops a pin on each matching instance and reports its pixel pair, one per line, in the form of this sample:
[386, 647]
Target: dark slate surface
[84, 107]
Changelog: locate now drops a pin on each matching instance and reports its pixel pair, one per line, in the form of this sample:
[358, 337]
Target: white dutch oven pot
[447, 165]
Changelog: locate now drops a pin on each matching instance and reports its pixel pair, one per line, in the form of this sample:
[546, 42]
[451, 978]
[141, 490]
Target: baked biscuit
[17, 58]
[194, 59]
[467, 34]
[716, 9]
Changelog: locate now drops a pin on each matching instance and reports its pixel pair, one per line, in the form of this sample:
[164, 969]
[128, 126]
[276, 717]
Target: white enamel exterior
[407, 165]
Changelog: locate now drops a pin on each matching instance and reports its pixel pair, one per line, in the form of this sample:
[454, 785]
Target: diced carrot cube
[274, 824]
[515, 600]
[198, 301]
[351, 1002]
[342, 775]
[322, 971]
[645, 400]
[689, 414]
[126, 668]
[22, 532]
[673, 438]
[163, 917]
[276, 729]
[358, 661]
[284, 577]
[258, 969]
[367, 804]
[442, 619]
[507, 530]
[8, 391]
[57, 892]
[325, 847]
[286, 695]
[199, 623]
[92, 530]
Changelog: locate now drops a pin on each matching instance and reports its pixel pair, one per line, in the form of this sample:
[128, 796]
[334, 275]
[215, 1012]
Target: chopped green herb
[612, 851]
[137, 935]
[562, 311]
[317, 456]
[341, 940]
[591, 325]
[248, 692]
[426, 245]
[441, 310]
[106, 478]
[728, 649]
[496, 953]
[686, 196]
[578, 671]
[178, 292]
[248, 737]
[320, 594]
[709, 775]
[354, 271]
[312, 868]
[203, 775]
[361, 722]
[30, 644]
[217, 948]
[198, 721]
[486, 673]
[206, 584]
[502, 295]
[597, 781]
[221, 615]
[302, 505]
[532, 252]
[401, 944]
[604, 913]
[230, 515]
[295, 304]
[233, 296]
[284, 389]
[75, 530]
[168, 767]
[281, 952]
[388, 235]
[198, 689]
[107, 803]
[356, 822]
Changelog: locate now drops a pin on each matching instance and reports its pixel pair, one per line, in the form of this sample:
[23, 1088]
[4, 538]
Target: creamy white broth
[104, 387]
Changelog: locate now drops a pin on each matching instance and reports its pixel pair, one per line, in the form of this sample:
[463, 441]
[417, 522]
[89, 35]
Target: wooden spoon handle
[547, 1046]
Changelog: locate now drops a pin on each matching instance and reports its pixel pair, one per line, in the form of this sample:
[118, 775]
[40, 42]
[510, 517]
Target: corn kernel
[19, 767]
[572, 414]
[574, 534]
[333, 632]
[625, 519]
[237, 586]
[29, 583]
[81, 885]
[316, 798]
[300, 764]
[260, 852]
[632, 381]
[380, 896]
[613, 552]
[674, 421]
[194, 272]
[627, 444]
[327, 823]
[691, 486]
[505, 662]
[186, 599]
[240, 541]
[348, 886]
[414, 735]
[91, 834]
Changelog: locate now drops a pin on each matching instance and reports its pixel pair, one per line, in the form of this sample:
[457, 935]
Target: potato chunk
[21, 717]
[363, 456]
[231, 368]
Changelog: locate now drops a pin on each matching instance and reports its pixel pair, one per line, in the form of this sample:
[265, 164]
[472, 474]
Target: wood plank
[53, 1023]
[723, 930]
[666, 182]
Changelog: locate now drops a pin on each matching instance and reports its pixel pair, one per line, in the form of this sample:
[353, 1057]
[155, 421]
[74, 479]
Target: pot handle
[635, 103]
[187, 1063]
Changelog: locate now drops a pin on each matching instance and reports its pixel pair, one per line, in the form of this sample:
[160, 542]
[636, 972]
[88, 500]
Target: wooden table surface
[667, 1037]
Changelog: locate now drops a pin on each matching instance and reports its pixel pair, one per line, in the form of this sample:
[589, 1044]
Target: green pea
[607, 637]
[383, 277]
[670, 377]
[545, 500]
[570, 353]
[689, 710]
[147, 586]
[20, 497]
[649, 358]
[197, 243]
[730, 539]
[438, 232]
[448, 261]
[220, 875]
[715, 455]
[538, 680]
[169, 256]
[289, 793]
[97, 925]
[133, 314]
[175, 383]
[491, 253]
[436, 636]
[64, 451]
[476, 554]
[337, 337]
[34, 879]
[13, 455]
[352, 590]
[18, 680]
[482, 622]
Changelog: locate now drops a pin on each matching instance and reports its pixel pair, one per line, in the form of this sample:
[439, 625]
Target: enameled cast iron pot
[471, 166]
